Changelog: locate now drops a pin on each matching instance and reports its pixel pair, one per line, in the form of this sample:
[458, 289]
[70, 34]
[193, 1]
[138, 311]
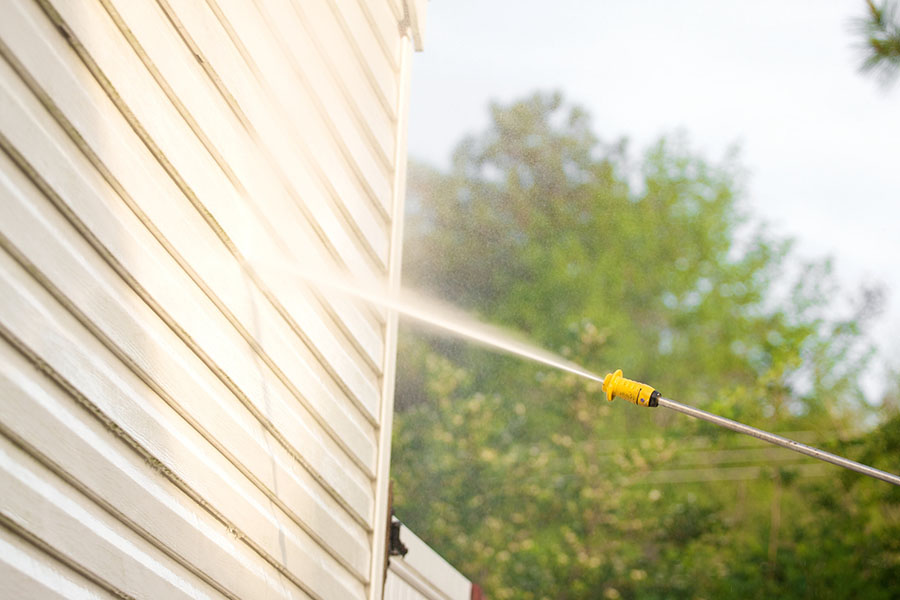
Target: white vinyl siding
[423, 574]
[180, 416]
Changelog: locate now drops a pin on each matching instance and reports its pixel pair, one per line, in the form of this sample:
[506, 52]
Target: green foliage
[535, 486]
[880, 33]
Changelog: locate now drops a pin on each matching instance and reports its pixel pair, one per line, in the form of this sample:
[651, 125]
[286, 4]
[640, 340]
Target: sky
[778, 79]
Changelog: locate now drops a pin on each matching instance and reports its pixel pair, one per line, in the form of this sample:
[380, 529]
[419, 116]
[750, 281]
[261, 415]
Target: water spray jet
[614, 385]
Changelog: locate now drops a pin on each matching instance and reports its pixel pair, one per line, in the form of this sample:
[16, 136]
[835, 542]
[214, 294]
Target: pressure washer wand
[614, 385]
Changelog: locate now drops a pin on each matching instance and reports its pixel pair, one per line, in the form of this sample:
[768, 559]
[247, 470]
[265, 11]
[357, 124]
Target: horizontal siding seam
[64, 384]
[359, 238]
[226, 168]
[48, 549]
[229, 99]
[161, 239]
[370, 19]
[142, 293]
[54, 198]
[234, 106]
[106, 505]
[358, 115]
[144, 136]
[417, 581]
[144, 377]
[385, 161]
[398, 12]
[153, 461]
[370, 75]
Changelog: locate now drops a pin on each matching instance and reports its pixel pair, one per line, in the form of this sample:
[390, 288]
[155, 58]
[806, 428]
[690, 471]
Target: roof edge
[416, 11]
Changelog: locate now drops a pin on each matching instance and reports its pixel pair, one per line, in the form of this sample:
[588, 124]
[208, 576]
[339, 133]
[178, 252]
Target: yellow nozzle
[634, 391]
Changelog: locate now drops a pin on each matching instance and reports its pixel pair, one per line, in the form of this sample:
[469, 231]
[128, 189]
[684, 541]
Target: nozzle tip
[615, 385]
[609, 384]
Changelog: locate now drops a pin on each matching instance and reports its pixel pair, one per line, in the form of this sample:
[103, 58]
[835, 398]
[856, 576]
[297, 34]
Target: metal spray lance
[641, 394]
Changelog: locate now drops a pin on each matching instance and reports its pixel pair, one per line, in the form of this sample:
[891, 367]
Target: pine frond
[880, 32]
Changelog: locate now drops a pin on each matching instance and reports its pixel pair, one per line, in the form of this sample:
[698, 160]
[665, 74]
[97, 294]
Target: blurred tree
[527, 478]
[880, 30]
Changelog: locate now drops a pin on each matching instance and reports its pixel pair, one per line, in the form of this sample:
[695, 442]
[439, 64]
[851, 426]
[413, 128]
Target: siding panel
[185, 415]
[37, 501]
[68, 264]
[352, 119]
[254, 152]
[26, 572]
[382, 21]
[352, 21]
[345, 56]
[82, 448]
[88, 109]
[90, 200]
[256, 517]
[307, 101]
[423, 574]
[286, 486]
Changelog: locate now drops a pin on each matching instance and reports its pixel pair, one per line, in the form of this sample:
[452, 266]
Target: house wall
[181, 415]
[422, 574]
